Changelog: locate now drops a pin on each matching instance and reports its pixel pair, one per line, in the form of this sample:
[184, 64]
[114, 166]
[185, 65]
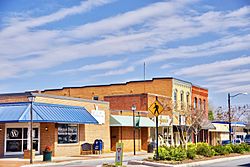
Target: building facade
[63, 123]
[178, 91]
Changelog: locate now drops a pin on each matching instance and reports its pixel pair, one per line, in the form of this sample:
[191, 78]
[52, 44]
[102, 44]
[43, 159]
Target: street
[97, 162]
[243, 162]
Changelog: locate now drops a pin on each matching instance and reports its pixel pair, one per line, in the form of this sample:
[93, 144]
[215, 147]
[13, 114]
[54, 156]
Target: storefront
[16, 138]
[122, 130]
[62, 123]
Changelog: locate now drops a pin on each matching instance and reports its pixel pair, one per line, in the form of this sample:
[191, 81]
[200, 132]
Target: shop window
[17, 139]
[67, 133]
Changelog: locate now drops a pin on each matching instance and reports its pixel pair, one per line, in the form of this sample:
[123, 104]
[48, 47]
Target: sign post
[156, 108]
[119, 154]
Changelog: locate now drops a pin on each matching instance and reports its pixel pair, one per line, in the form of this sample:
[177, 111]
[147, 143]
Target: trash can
[151, 147]
[98, 145]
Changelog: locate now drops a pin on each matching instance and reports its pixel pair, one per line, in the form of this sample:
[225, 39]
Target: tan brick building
[177, 90]
[53, 133]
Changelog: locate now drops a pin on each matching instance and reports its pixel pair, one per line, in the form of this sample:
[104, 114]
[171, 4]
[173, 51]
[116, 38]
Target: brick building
[120, 106]
[178, 91]
[64, 123]
[200, 107]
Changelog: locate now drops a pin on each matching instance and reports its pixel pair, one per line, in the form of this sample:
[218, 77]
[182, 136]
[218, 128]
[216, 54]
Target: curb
[206, 162]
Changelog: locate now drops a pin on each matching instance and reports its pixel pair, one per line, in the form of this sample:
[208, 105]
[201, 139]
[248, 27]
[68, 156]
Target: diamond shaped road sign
[156, 108]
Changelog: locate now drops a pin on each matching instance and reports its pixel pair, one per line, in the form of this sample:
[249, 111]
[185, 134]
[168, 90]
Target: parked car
[237, 141]
[225, 142]
[247, 139]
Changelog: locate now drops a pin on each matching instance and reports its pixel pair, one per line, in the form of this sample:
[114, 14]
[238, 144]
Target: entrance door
[16, 140]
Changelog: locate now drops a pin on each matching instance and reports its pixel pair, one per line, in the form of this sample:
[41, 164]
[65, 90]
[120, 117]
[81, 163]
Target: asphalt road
[243, 162]
[96, 162]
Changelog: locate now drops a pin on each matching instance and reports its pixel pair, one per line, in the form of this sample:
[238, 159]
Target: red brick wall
[125, 102]
[200, 93]
[47, 138]
[2, 132]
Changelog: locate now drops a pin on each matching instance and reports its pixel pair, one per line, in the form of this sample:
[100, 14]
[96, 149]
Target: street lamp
[133, 109]
[229, 111]
[31, 100]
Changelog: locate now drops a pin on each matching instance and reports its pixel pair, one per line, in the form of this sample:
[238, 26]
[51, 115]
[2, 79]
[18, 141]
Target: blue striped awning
[44, 112]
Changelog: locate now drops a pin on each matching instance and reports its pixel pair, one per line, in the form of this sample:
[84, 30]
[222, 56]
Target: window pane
[14, 133]
[14, 146]
[25, 145]
[67, 134]
[25, 133]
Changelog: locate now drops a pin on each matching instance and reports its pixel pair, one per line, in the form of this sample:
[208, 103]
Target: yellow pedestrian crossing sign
[156, 108]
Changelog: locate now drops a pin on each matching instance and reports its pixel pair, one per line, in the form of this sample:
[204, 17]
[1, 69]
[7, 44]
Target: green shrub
[204, 149]
[178, 154]
[245, 146]
[191, 153]
[222, 150]
[238, 148]
[163, 153]
[172, 153]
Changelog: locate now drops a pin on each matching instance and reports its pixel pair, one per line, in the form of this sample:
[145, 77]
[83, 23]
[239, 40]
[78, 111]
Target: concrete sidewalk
[19, 161]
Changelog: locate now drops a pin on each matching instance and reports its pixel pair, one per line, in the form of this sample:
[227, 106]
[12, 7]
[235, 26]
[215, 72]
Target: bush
[238, 148]
[222, 150]
[204, 149]
[163, 153]
[172, 153]
[245, 146]
[191, 151]
[178, 154]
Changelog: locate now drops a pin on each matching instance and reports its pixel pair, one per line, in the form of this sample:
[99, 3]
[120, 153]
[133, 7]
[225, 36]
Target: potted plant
[47, 154]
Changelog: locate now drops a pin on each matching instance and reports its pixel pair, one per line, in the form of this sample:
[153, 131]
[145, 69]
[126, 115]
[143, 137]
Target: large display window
[16, 139]
[67, 133]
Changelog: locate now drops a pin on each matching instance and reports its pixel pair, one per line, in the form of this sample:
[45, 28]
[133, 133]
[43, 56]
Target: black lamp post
[31, 100]
[133, 109]
[229, 112]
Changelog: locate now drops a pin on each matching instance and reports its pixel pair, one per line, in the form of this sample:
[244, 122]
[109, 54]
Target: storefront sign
[99, 115]
[14, 133]
[119, 154]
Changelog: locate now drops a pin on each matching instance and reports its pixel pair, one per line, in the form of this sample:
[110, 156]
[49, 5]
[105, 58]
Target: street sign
[156, 108]
[119, 154]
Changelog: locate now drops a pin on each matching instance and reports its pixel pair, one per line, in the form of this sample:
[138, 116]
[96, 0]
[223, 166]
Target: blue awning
[44, 112]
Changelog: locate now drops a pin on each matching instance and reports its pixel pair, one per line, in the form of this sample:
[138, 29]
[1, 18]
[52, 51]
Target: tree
[210, 115]
[190, 122]
[238, 113]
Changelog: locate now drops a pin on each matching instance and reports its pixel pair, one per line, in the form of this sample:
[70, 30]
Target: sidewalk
[17, 162]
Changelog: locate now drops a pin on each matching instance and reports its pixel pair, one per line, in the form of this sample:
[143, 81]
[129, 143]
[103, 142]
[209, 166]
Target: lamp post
[229, 112]
[133, 109]
[31, 100]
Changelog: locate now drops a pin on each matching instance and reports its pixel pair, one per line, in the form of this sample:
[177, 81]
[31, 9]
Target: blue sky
[52, 44]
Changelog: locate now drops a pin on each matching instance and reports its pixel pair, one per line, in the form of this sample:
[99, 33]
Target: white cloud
[215, 68]
[48, 48]
[92, 67]
[116, 72]
[224, 45]
[84, 6]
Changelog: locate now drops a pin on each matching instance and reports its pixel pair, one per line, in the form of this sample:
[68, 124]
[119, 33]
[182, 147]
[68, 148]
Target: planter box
[26, 154]
[47, 155]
